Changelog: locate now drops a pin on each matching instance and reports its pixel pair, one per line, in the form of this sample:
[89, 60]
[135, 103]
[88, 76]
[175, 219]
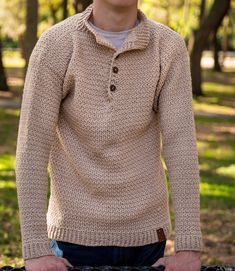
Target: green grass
[219, 91]
[211, 120]
[9, 214]
[217, 149]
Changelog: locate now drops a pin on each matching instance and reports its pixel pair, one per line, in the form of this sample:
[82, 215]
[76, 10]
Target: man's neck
[113, 18]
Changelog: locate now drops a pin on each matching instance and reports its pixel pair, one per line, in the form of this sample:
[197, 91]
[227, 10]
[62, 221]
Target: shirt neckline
[114, 32]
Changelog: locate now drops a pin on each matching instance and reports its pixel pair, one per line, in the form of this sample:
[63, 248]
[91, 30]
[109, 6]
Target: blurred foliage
[183, 16]
[12, 15]
[174, 13]
[180, 15]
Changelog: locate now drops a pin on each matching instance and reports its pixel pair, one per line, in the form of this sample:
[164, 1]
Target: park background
[208, 27]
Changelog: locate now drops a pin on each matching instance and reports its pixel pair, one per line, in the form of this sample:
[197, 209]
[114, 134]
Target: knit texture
[102, 120]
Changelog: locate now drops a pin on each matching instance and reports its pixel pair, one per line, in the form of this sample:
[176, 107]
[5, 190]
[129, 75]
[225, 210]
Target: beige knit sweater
[96, 116]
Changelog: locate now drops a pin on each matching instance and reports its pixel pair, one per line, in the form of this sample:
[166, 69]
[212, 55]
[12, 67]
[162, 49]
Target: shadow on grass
[218, 93]
[10, 239]
[225, 78]
[9, 119]
[16, 72]
[217, 202]
[213, 120]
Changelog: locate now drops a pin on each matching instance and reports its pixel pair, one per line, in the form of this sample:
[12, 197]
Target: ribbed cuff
[34, 250]
[188, 242]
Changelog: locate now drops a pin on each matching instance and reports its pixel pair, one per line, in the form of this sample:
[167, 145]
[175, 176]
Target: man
[95, 105]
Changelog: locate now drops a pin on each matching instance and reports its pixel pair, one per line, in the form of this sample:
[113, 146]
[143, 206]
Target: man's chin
[122, 3]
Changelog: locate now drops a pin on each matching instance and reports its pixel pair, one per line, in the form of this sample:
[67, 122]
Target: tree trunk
[202, 12]
[31, 29]
[65, 8]
[225, 37]
[80, 5]
[86, 3]
[3, 80]
[196, 56]
[209, 24]
[216, 48]
[76, 6]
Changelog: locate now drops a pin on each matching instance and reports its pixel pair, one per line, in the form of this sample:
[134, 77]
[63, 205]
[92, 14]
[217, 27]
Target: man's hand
[47, 263]
[184, 260]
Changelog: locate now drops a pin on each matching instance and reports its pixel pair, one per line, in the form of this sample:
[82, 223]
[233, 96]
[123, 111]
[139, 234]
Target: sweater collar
[137, 39]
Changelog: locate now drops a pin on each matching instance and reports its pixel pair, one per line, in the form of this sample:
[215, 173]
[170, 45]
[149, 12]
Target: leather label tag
[161, 235]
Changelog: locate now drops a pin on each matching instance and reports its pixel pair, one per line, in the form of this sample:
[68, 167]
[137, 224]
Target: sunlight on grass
[204, 166]
[212, 108]
[217, 190]
[7, 162]
[13, 63]
[215, 148]
[218, 96]
[216, 100]
[12, 59]
[219, 153]
[202, 144]
[214, 196]
[227, 171]
[7, 168]
[218, 89]
[8, 184]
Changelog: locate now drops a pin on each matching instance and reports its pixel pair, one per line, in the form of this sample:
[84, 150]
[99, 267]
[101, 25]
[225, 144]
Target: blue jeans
[79, 255]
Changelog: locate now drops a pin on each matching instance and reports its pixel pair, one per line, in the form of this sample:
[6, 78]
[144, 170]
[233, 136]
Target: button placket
[112, 87]
[115, 69]
[112, 82]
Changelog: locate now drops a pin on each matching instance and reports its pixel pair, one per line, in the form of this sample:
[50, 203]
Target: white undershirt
[116, 38]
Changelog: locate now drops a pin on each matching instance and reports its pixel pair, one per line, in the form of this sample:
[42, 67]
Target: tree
[12, 20]
[65, 8]
[31, 28]
[80, 5]
[209, 24]
[202, 12]
[216, 48]
[55, 7]
[76, 5]
[3, 80]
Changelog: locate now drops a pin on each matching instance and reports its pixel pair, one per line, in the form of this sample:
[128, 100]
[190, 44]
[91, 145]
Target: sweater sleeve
[179, 148]
[42, 94]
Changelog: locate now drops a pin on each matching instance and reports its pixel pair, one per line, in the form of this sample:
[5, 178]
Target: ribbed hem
[97, 238]
[34, 250]
[188, 242]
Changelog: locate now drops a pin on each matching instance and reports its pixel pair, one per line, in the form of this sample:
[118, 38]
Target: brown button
[115, 69]
[161, 234]
[112, 87]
